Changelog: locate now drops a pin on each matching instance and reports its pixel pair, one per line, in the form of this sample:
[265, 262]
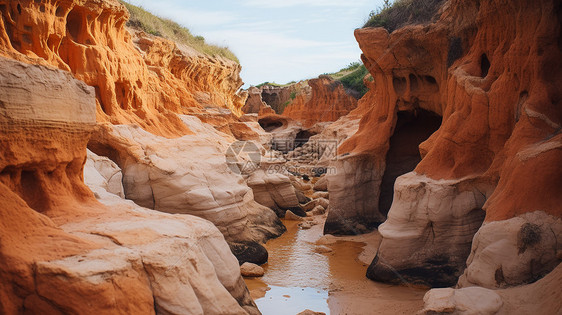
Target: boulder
[513, 252]
[273, 190]
[321, 194]
[324, 203]
[321, 184]
[251, 252]
[102, 172]
[251, 270]
[289, 215]
[318, 210]
[428, 231]
[473, 300]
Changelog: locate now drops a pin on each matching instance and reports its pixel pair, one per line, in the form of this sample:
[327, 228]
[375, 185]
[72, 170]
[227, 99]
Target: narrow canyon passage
[301, 275]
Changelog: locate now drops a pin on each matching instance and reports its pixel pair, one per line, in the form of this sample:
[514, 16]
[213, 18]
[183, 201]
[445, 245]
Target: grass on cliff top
[400, 13]
[152, 24]
[352, 77]
[275, 84]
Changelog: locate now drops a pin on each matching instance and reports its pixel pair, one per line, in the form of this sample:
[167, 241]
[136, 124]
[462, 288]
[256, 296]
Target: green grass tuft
[352, 77]
[152, 24]
[403, 12]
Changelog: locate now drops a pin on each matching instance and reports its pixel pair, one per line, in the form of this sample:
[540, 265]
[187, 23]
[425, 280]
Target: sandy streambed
[301, 275]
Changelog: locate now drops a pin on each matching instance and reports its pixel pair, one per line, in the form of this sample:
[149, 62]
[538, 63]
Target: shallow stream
[298, 277]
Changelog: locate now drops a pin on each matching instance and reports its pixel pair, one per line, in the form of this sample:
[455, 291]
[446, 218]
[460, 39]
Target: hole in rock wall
[75, 22]
[123, 95]
[19, 8]
[32, 191]
[271, 123]
[60, 12]
[399, 85]
[484, 65]
[302, 137]
[412, 128]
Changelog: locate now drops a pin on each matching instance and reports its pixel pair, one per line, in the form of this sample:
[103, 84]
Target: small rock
[251, 270]
[307, 224]
[326, 239]
[321, 184]
[318, 210]
[289, 215]
[301, 197]
[316, 202]
[321, 249]
[321, 194]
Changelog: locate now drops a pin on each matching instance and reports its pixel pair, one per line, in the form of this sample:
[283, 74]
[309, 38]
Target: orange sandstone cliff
[327, 102]
[64, 252]
[138, 78]
[469, 109]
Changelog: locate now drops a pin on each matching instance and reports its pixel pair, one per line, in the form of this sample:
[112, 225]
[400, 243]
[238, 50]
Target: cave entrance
[412, 128]
[271, 123]
[302, 137]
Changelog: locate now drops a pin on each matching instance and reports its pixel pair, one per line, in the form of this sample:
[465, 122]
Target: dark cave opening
[302, 137]
[271, 123]
[412, 128]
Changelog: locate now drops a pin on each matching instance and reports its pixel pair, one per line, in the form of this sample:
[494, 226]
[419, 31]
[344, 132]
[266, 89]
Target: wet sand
[297, 277]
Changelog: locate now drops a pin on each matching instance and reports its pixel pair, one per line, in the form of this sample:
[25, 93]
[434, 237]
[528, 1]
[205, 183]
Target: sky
[276, 41]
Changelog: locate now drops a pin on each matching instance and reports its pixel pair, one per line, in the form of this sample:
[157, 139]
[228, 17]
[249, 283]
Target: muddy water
[297, 277]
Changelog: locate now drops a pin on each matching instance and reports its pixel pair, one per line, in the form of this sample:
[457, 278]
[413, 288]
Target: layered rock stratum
[138, 78]
[468, 107]
[327, 102]
[63, 251]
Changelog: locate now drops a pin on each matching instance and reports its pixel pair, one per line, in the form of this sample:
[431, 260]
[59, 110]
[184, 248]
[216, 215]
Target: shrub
[403, 12]
[157, 26]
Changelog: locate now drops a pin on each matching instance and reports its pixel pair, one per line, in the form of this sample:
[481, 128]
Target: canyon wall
[327, 101]
[147, 81]
[138, 78]
[64, 252]
[469, 107]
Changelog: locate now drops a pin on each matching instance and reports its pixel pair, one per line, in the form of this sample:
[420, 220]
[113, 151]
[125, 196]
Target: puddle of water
[293, 262]
[297, 278]
[288, 301]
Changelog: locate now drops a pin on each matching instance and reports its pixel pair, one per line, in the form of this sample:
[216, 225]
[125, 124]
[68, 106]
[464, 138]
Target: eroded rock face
[279, 96]
[500, 111]
[434, 221]
[514, 252]
[273, 190]
[62, 250]
[541, 297]
[138, 78]
[328, 101]
[255, 103]
[187, 175]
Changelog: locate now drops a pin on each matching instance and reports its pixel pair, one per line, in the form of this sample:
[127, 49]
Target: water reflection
[287, 301]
